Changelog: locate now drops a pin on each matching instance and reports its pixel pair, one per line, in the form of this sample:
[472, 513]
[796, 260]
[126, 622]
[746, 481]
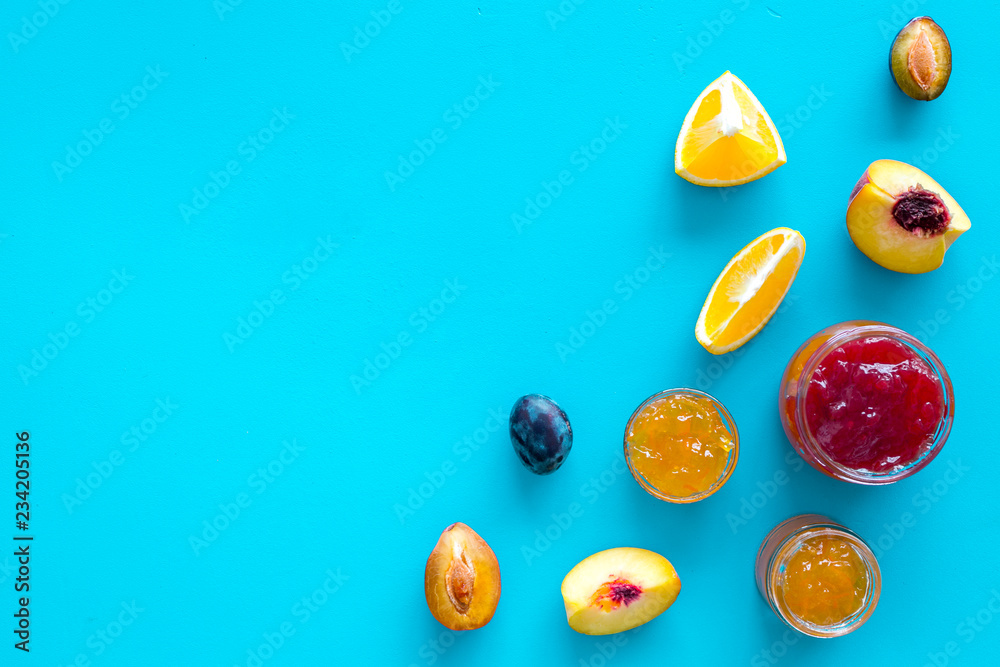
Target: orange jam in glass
[825, 581]
[819, 577]
[681, 445]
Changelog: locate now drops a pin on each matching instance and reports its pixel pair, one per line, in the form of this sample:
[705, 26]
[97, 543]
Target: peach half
[618, 589]
[462, 579]
[902, 219]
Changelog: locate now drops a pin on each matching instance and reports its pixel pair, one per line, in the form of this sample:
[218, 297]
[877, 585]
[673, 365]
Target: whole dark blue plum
[540, 433]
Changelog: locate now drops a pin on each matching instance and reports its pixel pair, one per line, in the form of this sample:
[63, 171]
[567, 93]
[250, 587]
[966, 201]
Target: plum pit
[460, 579]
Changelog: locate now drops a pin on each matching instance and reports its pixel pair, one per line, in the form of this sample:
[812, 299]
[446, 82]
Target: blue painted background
[264, 257]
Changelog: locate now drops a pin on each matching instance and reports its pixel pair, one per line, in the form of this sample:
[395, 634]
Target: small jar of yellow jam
[681, 445]
[819, 577]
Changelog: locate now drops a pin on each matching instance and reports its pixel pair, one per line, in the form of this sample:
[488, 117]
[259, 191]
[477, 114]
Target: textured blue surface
[240, 190]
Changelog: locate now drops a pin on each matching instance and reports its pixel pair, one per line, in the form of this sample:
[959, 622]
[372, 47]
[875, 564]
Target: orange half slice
[727, 137]
[749, 290]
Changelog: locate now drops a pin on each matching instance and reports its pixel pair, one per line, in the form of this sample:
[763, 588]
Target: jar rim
[727, 419]
[871, 329]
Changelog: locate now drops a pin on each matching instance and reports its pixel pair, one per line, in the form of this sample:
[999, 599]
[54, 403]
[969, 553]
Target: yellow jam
[680, 444]
[825, 581]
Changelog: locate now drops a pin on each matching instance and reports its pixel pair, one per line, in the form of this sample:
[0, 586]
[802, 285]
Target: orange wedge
[749, 290]
[727, 137]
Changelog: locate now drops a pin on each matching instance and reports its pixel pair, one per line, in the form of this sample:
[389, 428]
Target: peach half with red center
[902, 219]
[618, 589]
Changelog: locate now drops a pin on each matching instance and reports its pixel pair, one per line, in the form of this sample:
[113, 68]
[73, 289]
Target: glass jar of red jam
[865, 402]
[818, 577]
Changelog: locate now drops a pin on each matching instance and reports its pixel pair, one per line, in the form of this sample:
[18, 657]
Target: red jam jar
[818, 576]
[865, 402]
